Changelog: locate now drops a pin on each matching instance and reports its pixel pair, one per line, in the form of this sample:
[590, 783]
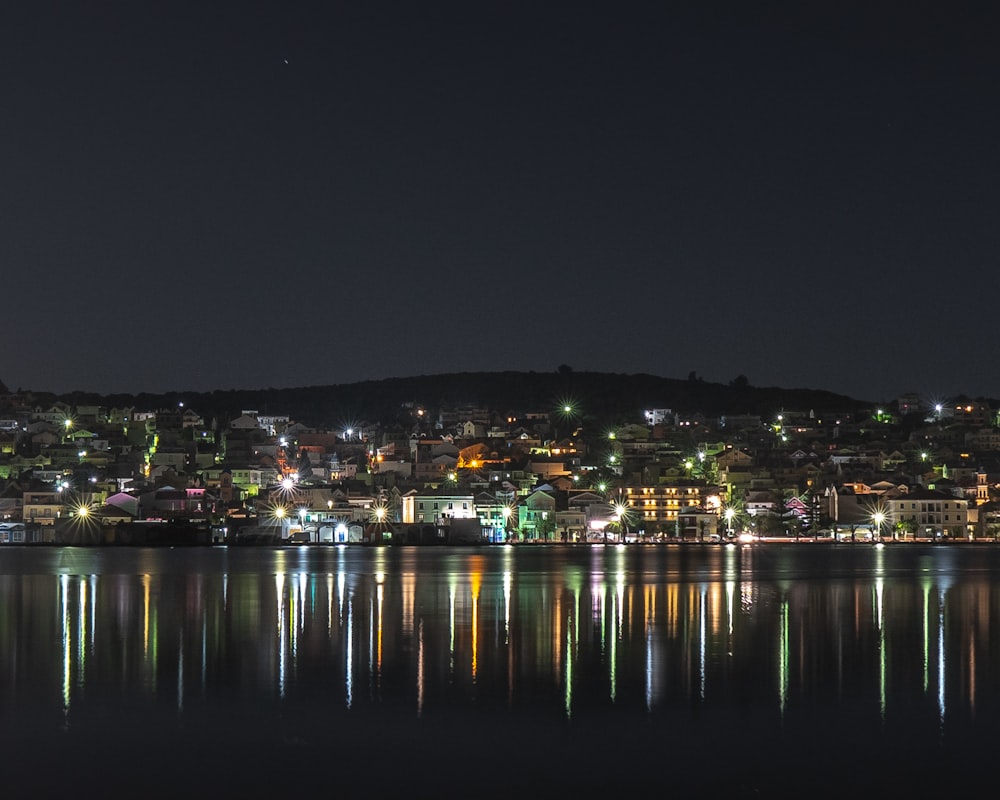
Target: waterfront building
[656, 507]
[435, 505]
[931, 513]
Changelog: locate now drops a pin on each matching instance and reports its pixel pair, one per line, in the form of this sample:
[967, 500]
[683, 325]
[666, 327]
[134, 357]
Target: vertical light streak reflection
[476, 578]
[149, 633]
[279, 584]
[506, 606]
[731, 573]
[329, 605]
[345, 612]
[349, 653]
[66, 648]
[613, 669]
[926, 585]
[293, 614]
[730, 611]
[620, 606]
[648, 620]
[599, 594]
[379, 597]
[598, 590]
[702, 635]
[303, 586]
[883, 659]
[81, 635]
[507, 579]
[451, 625]
[420, 668]
[784, 647]
[372, 613]
[557, 634]
[145, 615]
[380, 565]
[972, 673]
[408, 590]
[879, 591]
[568, 673]
[573, 585]
[93, 609]
[941, 659]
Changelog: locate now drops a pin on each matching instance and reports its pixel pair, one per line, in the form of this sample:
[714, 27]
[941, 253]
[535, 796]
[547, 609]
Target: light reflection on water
[739, 663]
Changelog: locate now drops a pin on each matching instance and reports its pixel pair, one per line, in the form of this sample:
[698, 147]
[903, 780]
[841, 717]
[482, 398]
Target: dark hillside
[597, 397]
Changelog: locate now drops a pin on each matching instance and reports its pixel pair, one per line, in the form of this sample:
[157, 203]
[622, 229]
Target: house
[537, 515]
[932, 513]
[433, 506]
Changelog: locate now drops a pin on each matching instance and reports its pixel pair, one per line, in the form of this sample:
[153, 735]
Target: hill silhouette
[598, 397]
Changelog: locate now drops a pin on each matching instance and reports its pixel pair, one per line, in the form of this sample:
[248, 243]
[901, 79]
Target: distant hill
[597, 397]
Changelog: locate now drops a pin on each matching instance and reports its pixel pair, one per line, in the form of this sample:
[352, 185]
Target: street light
[621, 510]
[379, 512]
[878, 518]
[729, 514]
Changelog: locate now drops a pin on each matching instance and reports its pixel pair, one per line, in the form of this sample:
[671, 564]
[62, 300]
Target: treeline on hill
[597, 397]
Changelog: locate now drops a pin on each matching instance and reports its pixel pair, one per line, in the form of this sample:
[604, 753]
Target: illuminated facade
[435, 507]
[934, 513]
[656, 508]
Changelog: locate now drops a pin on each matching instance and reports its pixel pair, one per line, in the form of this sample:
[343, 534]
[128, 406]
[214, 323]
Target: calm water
[766, 670]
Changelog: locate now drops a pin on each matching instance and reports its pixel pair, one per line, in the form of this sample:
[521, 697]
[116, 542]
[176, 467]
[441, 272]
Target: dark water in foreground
[766, 670]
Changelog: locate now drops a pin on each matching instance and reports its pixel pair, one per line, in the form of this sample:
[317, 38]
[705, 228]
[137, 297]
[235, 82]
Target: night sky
[248, 195]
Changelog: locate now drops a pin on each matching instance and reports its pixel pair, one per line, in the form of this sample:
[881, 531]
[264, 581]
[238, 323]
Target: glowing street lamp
[877, 519]
[621, 510]
[378, 515]
[507, 512]
[729, 513]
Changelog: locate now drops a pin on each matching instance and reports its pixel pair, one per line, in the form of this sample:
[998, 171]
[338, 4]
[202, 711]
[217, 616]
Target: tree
[904, 527]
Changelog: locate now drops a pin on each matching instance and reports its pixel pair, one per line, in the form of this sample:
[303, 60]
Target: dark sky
[277, 194]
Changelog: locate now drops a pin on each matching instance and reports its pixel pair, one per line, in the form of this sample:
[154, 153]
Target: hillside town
[86, 474]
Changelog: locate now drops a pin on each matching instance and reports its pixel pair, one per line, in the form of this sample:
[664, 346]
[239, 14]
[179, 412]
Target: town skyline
[556, 473]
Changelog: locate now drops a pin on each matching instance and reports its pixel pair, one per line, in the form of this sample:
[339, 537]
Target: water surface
[764, 670]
